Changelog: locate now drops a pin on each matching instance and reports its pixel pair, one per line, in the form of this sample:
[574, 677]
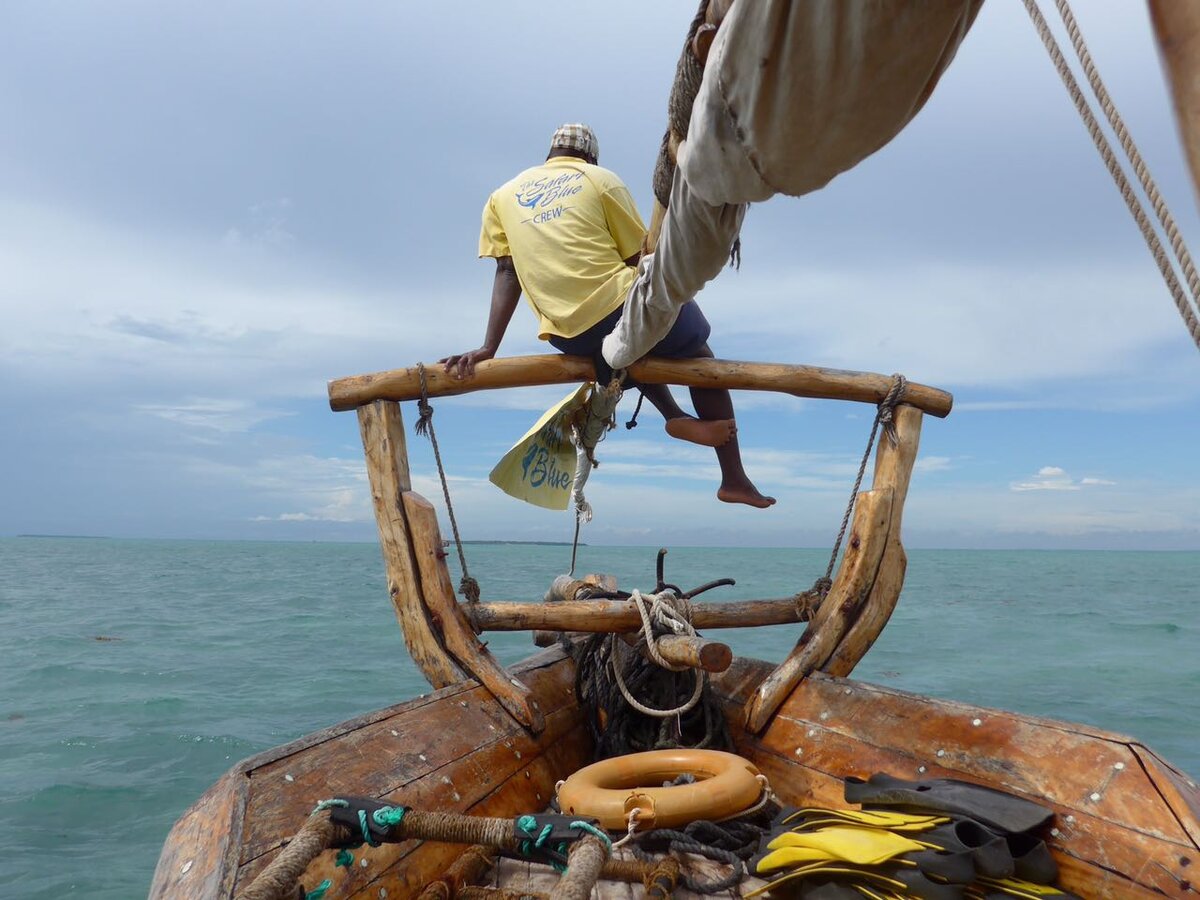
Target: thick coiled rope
[632, 703]
[656, 609]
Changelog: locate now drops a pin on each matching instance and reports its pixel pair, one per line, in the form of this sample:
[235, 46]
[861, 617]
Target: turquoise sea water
[136, 672]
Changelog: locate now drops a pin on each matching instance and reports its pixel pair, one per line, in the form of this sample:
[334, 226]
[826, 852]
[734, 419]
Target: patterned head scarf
[576, 137]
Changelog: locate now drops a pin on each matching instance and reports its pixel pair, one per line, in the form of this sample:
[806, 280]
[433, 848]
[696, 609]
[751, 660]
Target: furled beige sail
[793, 94]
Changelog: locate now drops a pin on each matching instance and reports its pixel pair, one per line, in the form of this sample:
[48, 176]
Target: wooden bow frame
[441, 633]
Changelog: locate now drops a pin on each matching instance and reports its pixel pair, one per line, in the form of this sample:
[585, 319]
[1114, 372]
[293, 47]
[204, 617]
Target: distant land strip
[531, 543]
[74, 537]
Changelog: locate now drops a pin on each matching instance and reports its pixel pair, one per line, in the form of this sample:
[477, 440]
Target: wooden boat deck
[1127, 824]
[530, 878]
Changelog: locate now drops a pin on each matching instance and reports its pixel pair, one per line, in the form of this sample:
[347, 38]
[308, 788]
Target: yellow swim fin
[861, 846]
[831, 870]
[813, 817]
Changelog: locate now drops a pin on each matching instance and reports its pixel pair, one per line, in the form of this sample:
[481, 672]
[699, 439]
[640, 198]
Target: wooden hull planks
[1127, 823]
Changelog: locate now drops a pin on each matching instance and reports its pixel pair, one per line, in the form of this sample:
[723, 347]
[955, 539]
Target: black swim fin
[987, 850]
[1032, 859]
[996, 809]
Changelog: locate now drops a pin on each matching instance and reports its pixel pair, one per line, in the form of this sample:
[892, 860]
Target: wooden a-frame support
[437, 633]
[867, 584]
[441, 637]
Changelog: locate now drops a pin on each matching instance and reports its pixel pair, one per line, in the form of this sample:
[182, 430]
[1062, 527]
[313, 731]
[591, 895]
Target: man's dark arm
[506, 291]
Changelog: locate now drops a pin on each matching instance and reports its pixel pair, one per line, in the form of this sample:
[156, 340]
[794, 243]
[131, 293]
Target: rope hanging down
[598, 419]
[1131, 151]
[883, 416]
[468, 586]
[1182, 258]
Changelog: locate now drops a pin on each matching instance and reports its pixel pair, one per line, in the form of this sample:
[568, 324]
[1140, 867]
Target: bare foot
[747, 494]
[705, 432]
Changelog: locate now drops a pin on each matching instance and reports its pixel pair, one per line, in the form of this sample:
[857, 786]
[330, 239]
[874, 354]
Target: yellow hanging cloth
[540, 467]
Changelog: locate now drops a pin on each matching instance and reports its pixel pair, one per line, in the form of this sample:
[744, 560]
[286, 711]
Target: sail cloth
[794, 93]
[540, 467]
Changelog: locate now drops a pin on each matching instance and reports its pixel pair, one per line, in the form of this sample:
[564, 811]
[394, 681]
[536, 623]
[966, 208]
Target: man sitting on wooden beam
[568, 235]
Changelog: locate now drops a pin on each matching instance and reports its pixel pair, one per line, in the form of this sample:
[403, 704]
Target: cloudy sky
[207, 211]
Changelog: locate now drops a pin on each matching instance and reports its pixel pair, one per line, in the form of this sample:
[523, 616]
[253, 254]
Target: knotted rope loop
[468, 586]
[887, 406]
[668, 612]
[808, 601]
[424, 410]
[631, 828]
[589, 828]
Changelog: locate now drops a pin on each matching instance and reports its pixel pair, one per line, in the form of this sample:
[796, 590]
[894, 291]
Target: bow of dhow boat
[447, 794]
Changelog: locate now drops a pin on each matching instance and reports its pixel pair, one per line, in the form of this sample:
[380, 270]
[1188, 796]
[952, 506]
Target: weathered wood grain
[451, 624]
[216, 829]
[467, 787]
[517, 794]
[893, 470]
[864, 549]
[695, 652]
[1115, 834]
[1125, 824]
[1179, 792]
[564, 587]
[622, 616]
[526, 371]
[382, 429]
[379, 758]
[200, 858]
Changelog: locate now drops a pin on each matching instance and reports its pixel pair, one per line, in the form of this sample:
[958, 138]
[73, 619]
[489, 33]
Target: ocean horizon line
[909, 547]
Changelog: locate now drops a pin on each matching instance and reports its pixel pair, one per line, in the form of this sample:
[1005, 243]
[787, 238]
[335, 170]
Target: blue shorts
[685, 339]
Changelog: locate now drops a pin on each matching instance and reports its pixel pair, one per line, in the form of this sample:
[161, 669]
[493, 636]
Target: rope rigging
[468, 586]
[1182, 257]
[884, 414]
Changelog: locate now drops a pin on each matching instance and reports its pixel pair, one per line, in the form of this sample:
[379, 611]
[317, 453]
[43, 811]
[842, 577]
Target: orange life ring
[612, 788]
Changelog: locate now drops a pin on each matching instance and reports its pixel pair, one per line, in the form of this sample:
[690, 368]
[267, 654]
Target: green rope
[366, 831]
[344, 858]
[329, 804]
[594, 831]
[527, 824]
[319, 891]
[387, 816]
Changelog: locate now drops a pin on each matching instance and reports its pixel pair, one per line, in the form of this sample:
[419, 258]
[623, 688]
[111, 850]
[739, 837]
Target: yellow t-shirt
[569, 227]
